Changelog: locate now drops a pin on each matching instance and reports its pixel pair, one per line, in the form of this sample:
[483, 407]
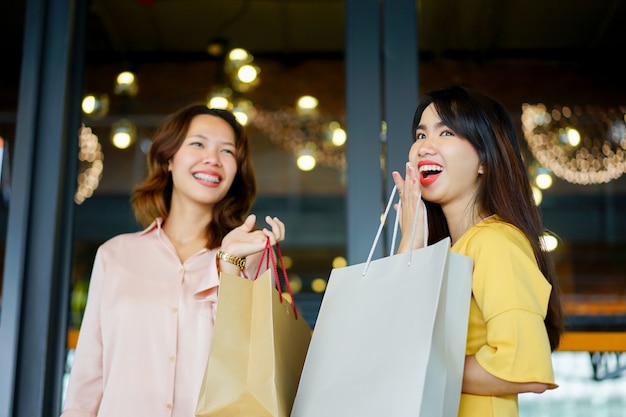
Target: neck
[186, 224]
[461, 219]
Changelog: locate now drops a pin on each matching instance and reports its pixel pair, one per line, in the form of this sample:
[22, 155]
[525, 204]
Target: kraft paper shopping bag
[389, 339]
[257, 353]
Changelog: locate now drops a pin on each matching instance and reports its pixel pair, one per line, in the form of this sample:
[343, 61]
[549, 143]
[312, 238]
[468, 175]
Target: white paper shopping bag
[390, 342]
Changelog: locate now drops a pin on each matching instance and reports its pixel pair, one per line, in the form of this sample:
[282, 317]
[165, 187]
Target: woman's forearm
[477, 381]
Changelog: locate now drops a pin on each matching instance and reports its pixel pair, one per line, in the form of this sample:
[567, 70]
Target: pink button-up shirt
[147, 329]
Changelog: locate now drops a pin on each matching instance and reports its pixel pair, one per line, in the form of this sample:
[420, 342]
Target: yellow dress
[509, 302]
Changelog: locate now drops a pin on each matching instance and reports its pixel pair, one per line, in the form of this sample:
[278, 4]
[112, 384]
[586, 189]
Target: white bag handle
[395, 227]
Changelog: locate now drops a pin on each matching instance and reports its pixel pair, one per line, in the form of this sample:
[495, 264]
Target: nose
[425, 146]
[211, 156]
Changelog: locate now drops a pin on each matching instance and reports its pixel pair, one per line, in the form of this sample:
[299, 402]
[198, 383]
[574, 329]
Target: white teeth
[207, 178]
[425, 168]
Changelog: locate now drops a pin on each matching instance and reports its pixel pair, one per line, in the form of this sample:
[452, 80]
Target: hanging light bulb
[307, 106]
[248, 73]
[95, 106]
[89, 104]
[244, 111]
[219, 98]
[549, 242]
[246, 78]
[239, 56]
[307, 103]
[219, 102]
[543, 180]
[306, 160]
[217, 47]
[241, 117]
[123, 133]
[338, 135]
[236, 58]
[126, 84]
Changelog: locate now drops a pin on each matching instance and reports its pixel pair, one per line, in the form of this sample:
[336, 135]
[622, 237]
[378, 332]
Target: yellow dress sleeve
[512, 295]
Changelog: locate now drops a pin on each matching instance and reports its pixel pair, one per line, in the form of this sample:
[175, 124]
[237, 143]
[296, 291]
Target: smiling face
[204, 167]
[448, 165]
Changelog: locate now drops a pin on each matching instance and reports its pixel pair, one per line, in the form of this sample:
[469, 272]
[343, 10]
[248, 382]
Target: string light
[579, 145]
[314, 137]
[91, 159]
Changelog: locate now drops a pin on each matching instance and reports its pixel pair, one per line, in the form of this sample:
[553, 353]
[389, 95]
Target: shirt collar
[156, 224]
[210, 279]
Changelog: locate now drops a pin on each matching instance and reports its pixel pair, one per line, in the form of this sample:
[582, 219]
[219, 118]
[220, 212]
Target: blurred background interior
[281, 66]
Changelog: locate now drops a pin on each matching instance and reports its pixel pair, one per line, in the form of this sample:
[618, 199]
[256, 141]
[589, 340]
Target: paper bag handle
[396, 227]
[271, 259]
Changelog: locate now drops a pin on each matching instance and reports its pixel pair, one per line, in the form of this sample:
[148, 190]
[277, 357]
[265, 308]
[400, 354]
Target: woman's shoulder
[495, 234]
[494, 227]
[128, 241]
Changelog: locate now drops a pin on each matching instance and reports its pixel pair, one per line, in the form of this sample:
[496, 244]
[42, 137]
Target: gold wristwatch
[232, 259]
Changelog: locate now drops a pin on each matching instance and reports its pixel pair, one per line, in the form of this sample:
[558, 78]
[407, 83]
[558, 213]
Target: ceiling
[158, 29]
[481, 28]
[139, 31]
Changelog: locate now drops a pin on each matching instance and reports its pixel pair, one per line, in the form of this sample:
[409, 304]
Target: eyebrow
[437, 125]
[201, 136]
[198, 135]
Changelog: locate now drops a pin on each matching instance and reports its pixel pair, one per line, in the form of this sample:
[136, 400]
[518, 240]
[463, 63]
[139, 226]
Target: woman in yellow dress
[467, 165]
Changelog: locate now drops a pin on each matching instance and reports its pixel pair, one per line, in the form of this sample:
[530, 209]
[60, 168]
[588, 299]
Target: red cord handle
[272, 259]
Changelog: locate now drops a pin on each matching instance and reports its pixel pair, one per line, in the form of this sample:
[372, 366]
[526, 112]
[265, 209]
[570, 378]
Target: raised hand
[410, 197]
[245, 240]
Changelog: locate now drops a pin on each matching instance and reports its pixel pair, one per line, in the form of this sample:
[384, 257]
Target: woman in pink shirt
[148, 323]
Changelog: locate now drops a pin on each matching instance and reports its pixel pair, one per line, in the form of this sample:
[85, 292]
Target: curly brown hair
[152, 198]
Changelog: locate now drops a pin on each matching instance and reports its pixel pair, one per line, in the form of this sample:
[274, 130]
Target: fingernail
[414, 180]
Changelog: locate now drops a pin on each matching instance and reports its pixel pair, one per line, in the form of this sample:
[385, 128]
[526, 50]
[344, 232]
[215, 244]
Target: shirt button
[174, 309]
[168, 406]
[181, 271]
[172, 358]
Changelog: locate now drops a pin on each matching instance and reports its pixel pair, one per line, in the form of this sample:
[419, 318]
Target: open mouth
[429, 173]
